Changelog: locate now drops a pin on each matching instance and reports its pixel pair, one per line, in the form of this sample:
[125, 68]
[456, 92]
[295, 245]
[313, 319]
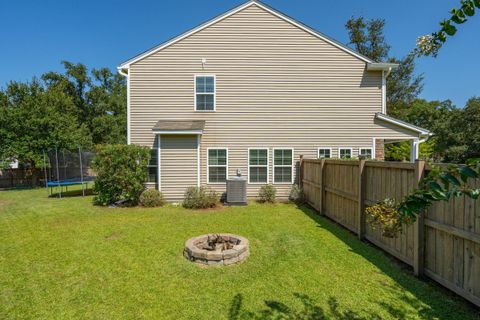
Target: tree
[429, 45]
[403, 86]
[107, 99]
[437, 117]
[367, 37]
[464, 138]
[100, 99]
[37, 118]
[64, 110]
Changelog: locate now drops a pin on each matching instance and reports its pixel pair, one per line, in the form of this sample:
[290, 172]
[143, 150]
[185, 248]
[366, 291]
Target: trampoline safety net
[64, 168]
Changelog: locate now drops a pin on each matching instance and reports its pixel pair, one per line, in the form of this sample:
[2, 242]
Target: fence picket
[443, 243]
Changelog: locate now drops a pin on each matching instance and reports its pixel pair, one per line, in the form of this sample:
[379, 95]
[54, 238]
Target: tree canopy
[456, 131]
[65, 110]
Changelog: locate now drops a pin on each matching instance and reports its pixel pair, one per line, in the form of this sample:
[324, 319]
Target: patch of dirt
[113, 236]
[5, 203]
[218, 207]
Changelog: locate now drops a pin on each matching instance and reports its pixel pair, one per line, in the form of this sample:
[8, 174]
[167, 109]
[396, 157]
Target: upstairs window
[324, 153]
[366, 152]
[283, 166]
[345, 153]
[204, 93]
[217, 165]
[258, 166]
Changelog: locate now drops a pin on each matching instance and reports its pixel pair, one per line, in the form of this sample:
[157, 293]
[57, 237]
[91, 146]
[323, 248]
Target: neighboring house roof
[421, 131]
[371, 63]
[179, 126]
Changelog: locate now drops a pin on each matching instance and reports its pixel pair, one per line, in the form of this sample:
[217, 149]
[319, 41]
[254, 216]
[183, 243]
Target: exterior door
[178, 165]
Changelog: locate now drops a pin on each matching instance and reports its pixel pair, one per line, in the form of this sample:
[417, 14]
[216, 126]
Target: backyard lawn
[65, 259]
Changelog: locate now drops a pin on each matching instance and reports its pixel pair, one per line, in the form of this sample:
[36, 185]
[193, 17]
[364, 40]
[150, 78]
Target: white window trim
[256, 166]
[152, 166]
[292, 166]
[208, 166]
[345, 148]
[214, 92]
[324, 148]
[365, 148]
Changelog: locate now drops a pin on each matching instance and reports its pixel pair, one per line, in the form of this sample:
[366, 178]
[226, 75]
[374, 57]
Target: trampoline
[64, 168]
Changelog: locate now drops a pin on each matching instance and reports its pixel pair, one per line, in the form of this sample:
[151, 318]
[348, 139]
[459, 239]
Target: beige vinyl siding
[178, 161]
[276, 86]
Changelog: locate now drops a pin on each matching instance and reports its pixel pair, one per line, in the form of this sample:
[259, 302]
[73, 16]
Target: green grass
[67, 259]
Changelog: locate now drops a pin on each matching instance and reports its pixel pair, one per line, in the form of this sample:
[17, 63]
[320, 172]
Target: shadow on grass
[72, 193]
[308, 310]
[430, 304]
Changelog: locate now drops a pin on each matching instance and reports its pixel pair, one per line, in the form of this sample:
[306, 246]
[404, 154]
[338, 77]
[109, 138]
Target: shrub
[267, 193]
[121, 172]
[152, 198]
[296, 194]
[200, 198]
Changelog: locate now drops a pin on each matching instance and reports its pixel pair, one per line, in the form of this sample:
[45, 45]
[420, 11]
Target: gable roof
[273, 11]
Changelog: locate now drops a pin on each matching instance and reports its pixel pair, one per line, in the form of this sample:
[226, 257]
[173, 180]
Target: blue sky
[37, 35]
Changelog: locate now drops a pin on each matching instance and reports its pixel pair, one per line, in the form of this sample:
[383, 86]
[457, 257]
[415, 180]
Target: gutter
[122, 72]
[382, 66]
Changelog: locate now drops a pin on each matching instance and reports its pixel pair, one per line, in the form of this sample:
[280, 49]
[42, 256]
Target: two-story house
[253, 89]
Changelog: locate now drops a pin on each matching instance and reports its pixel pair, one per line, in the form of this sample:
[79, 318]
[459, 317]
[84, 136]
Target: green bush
[121, 172]
[296, 194]
[200, 198]
[267, 193]
[151, 198]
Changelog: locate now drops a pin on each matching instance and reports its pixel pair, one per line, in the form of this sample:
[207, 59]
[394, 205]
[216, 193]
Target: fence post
[300, 173]
[418, 227]
[361, 199]
[322, 188]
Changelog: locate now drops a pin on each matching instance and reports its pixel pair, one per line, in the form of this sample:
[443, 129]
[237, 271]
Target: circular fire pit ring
[217, 249]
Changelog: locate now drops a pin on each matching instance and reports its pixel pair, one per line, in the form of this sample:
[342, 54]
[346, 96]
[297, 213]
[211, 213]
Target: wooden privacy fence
[444, 244]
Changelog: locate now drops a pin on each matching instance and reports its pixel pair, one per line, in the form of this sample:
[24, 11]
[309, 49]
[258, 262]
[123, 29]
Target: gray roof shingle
[179, 125]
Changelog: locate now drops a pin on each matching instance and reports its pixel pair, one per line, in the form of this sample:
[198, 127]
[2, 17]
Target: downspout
[127, 75]
[384, 89]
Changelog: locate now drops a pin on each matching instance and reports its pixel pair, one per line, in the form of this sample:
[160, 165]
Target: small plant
[200, 198]
[384, 214]
[296, 194]
[267, 193]
[151, 198]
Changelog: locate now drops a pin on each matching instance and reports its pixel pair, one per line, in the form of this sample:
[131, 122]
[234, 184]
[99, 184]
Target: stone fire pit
[217, 249]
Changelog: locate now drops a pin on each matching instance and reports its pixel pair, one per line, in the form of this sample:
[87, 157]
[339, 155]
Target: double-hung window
[257, 165]
[366, 152]
[282, 165]
[204, 93]
[153, 166]
[217, 165]
[345, 153]
[324, 153]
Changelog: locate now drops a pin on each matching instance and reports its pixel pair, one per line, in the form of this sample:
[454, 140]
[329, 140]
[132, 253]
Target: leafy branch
[438, 185]
[430, 44]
